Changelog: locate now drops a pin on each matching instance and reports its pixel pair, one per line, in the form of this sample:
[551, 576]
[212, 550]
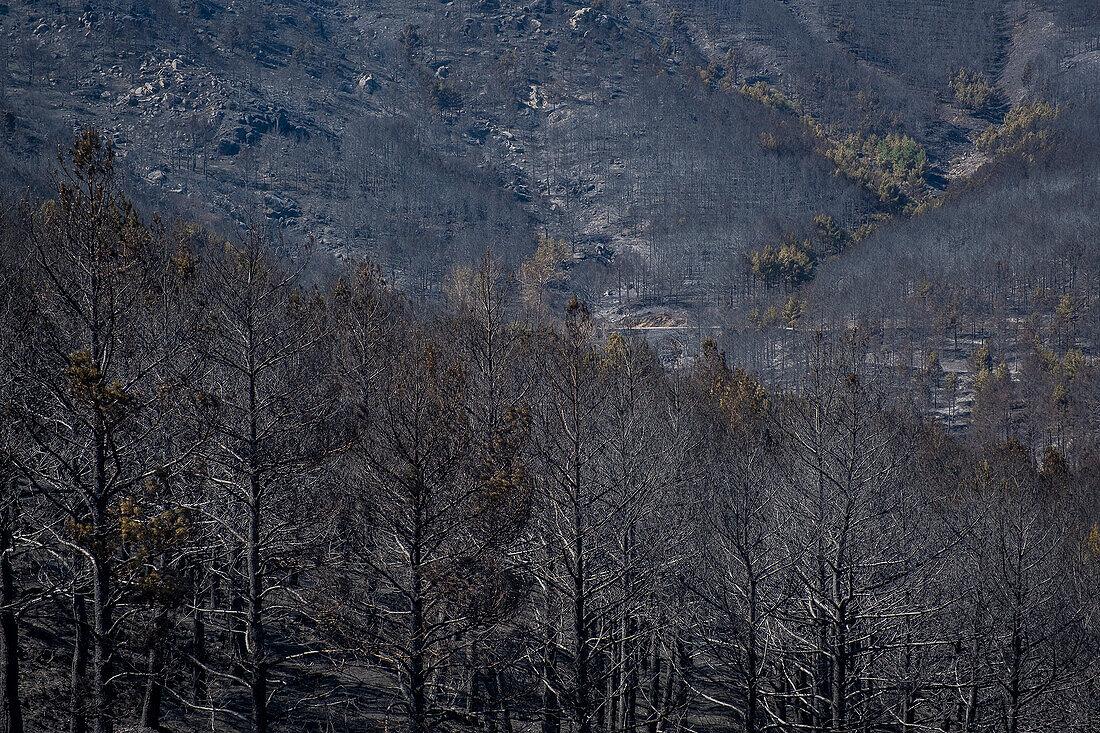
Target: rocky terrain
[422, 132]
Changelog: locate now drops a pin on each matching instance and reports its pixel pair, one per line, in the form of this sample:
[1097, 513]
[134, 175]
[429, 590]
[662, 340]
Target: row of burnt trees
[240, 496]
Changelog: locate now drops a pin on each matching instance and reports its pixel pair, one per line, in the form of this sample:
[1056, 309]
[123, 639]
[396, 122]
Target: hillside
[420, 133]
[685, 164]
[516, 366]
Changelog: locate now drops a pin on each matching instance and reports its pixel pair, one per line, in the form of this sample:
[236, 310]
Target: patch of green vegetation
[793, 263]
[902, 155]
[1027, 130]
[792, 311]
[772, 97]
[831, 238]
[892, 167]
[710, 75]
[972, 89]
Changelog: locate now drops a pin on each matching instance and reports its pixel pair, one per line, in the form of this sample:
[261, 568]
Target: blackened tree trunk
[102, 685]
[78, 722]
[417, 693]
[154, 672]
[256, 641]
[9, 628]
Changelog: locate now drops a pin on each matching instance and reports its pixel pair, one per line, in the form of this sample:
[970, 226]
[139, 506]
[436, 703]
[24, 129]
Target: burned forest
[625, 366]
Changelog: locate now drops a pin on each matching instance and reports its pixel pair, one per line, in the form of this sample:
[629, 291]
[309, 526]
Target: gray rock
[277, 206]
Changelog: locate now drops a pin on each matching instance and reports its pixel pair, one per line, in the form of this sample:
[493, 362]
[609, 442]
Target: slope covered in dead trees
[246, 490]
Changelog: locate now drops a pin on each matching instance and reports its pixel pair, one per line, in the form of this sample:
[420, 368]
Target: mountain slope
[421, 133]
